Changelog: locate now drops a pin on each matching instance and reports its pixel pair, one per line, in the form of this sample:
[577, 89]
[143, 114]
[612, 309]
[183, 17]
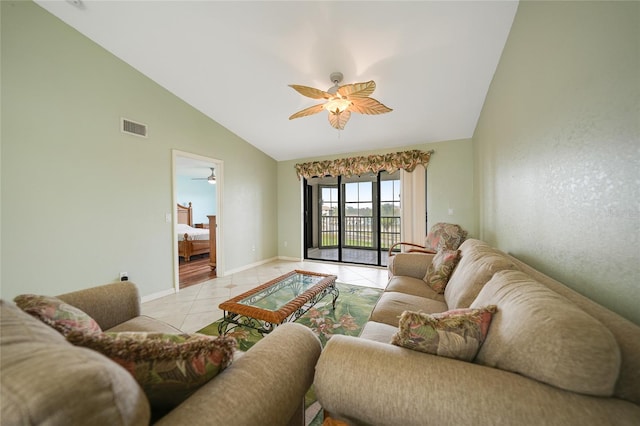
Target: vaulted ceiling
[432, 61]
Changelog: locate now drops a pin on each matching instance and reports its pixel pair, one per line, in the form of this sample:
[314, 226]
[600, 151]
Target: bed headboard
[185, 214]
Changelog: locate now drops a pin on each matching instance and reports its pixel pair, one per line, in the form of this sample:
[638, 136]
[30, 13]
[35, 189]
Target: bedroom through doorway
[196, 223]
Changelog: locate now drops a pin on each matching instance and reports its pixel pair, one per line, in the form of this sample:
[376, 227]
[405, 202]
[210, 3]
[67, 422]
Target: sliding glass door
[354, 219]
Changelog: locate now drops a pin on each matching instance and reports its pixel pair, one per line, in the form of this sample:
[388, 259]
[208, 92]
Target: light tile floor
[197, 306]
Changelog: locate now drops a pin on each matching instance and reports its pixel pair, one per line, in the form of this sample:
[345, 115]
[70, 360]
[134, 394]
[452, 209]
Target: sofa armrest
[109, 304]
[265, 386]
[409, 264]
[367, 382]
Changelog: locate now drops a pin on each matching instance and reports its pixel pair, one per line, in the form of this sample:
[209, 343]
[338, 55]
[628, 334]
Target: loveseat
[46, 380]
[550, 356]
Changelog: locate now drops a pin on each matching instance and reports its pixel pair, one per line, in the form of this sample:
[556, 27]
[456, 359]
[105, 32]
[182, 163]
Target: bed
[192, 241]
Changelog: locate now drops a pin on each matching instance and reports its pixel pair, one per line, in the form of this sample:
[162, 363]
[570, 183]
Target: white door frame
[219, 167]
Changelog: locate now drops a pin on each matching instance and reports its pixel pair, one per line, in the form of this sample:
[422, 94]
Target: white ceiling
[432, 62]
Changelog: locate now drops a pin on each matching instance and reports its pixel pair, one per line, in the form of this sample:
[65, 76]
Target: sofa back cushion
[46, 380]
[108, 304]
[478, 262]
[627, 334]
[540, 334]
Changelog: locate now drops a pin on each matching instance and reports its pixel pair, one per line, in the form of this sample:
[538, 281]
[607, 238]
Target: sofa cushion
[413, 286]
[541, 334]
[391, 305]
[378, 331]
[46, 380]
[169, 367]
[478, 262]
[440, 269]
[56, 313]
[145, 323]
[458, 333]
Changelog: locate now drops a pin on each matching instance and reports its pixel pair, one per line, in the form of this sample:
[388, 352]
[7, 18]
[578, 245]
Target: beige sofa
[45, 380]
[550, 357]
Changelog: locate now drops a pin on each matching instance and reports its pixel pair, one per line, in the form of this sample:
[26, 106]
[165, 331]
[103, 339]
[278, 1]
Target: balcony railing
[359, 232]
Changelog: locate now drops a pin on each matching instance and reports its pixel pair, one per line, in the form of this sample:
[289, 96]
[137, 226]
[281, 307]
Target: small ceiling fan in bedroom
[211, 178]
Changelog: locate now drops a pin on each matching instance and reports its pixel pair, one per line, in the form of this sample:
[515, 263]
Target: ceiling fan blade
[368, 106]
[307, 111]
[339, 119]
[357, 90]
[310, 92]
[211, 176]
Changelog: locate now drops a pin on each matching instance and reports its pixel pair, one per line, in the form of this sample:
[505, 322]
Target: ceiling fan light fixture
[340, 101]
[337, 104]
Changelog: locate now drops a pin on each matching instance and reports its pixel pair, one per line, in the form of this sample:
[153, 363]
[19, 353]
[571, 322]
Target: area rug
[353, 307]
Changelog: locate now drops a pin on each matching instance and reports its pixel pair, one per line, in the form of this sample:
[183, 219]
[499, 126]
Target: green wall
[557, 148]
[80, 200]
[449, 185]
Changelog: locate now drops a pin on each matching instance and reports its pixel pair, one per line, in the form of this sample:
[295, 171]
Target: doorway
[197, 204]
[352, 219]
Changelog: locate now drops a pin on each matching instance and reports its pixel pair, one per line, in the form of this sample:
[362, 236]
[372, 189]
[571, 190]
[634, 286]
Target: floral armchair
[441, 235]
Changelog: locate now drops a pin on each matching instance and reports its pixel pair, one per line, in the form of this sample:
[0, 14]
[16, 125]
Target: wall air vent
[133, 128]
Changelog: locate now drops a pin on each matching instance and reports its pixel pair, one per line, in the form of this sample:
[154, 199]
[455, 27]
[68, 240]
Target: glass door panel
[353, 219]
[359, 226]
[389, 213]
[322, 219]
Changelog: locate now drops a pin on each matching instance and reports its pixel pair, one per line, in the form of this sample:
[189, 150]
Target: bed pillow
[440, 269]
[168, 367]
[458, 333]
[56, 313]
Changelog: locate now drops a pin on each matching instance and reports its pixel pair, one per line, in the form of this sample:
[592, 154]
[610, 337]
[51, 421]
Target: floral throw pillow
[56, 313]
[445, 235]
[458, 333]
[440, 269]
[168, 367]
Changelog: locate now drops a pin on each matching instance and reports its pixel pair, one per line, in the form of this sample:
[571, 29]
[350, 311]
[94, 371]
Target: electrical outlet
[124, 276]
[285, 243]
[253, 248]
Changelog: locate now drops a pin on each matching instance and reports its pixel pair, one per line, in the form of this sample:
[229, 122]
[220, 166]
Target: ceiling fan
[340, 101]
[211, 178]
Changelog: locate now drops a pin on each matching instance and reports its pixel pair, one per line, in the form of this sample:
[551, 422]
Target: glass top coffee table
[280, 300]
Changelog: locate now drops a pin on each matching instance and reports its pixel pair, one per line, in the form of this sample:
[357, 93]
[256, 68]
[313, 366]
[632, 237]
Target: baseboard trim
[292, 259]
[249, 266]
[157, 295]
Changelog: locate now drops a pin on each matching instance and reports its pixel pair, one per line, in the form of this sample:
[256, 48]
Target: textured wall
[557, 148]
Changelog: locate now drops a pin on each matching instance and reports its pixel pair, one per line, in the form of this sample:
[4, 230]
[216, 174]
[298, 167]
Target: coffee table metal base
[232, 320]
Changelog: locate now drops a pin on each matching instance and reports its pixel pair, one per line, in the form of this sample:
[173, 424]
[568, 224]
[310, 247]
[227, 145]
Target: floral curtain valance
[355, 166]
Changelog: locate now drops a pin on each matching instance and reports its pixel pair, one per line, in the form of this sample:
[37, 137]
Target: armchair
[440, 235]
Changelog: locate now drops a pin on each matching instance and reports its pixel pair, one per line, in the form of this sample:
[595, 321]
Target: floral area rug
[353, 307]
